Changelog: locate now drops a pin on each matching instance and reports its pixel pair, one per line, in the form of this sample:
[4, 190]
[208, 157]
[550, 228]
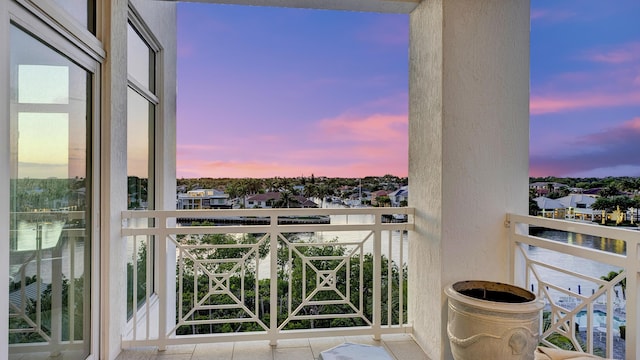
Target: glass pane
[140, 164]
[82, 11]
[50, 244]
[139, 59]
[139, 150]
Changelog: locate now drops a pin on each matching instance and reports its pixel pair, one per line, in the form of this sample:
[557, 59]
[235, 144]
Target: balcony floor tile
[400, 347]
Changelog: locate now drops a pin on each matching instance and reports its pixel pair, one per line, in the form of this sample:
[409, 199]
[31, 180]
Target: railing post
[633, 296]
[163, 293]
[519, 270]
[273, 281]
[377, 278]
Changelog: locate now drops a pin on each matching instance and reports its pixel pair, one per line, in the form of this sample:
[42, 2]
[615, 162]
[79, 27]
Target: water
[583, 266]
[599, 319]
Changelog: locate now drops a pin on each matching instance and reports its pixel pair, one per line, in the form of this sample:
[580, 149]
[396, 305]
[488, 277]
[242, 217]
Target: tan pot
[490, 320]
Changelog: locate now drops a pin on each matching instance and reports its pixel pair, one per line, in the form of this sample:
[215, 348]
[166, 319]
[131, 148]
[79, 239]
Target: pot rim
[522, 307]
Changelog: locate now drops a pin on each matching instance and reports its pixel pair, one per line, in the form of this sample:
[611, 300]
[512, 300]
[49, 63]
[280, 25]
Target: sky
[265, 92]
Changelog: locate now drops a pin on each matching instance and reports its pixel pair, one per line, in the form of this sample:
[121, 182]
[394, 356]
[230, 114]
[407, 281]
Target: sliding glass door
[50, 201]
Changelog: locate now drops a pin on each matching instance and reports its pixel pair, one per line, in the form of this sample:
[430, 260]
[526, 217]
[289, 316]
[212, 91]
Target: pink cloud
[346, 146]
[263, 170]
[197, 147]
[633, 124]
[574, 101]
[599, 88]
[626, 53]
[626, 131]
[605, 152]
[372, 128]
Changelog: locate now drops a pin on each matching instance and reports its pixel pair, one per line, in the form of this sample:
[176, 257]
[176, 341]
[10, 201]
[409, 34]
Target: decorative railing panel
[227, 275]
[588, 276]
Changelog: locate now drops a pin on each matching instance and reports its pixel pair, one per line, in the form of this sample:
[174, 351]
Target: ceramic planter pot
[491, 320]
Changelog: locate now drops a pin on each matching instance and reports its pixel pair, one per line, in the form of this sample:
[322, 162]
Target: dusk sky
[266, 92]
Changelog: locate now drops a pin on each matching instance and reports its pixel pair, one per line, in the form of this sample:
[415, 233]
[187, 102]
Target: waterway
[579, 265]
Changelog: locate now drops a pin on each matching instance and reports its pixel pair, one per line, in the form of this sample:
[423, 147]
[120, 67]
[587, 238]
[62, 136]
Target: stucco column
[113, 189]
[468, 149]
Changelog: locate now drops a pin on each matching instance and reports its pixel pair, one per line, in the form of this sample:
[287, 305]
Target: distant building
[268, 199]
[399, 196]
[574, 206]
[578, 206]
[543, 188]
[376, 194]
[550, 208]
[203, 199]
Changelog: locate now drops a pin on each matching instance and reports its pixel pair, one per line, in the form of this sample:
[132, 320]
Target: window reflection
[38, 157]
[43, 84]
[138, 151]
[139, 59]
[83, 11]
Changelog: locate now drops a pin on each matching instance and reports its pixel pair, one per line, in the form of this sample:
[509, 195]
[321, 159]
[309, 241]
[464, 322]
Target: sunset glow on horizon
[266, 92]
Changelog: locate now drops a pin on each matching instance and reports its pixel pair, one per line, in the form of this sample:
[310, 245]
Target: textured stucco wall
[160, 17]
[114, 177]
[468, 152]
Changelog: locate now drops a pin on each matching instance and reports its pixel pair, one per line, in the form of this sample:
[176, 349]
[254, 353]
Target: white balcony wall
[468, 149]
[160, 17]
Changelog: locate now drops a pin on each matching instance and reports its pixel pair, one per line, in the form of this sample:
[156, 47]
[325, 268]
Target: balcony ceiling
[382, 6]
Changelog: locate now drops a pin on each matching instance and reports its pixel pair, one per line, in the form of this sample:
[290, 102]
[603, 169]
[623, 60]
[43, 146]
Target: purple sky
[266, 92]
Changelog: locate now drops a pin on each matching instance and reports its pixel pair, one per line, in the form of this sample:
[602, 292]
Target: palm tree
[284, 201]
[310, 190]
[623, 283]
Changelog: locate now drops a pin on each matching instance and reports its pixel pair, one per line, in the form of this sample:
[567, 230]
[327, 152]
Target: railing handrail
[629, 262]
[628, 235]
[271, 215]
[267, 212]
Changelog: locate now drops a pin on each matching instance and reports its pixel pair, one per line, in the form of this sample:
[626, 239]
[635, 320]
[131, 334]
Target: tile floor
[400, 347]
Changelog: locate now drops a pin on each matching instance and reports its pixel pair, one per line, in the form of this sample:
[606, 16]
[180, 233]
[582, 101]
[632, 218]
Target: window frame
[63, 38]
[150, 95]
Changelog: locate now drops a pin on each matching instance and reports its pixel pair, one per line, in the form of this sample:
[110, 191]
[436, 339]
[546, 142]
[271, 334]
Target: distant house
[574, 206]
[543, 188]
[550, 208]
[376, 194]
[592, 191]
[579, 206]
[203, 199]
[399, 196]
[268, 199]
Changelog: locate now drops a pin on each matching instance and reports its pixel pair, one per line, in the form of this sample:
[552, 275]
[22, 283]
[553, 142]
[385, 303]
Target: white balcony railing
[265, 274]
[583, 311]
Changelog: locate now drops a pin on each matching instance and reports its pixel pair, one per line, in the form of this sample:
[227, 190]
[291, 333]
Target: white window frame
[74, 43]
[143, 30]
